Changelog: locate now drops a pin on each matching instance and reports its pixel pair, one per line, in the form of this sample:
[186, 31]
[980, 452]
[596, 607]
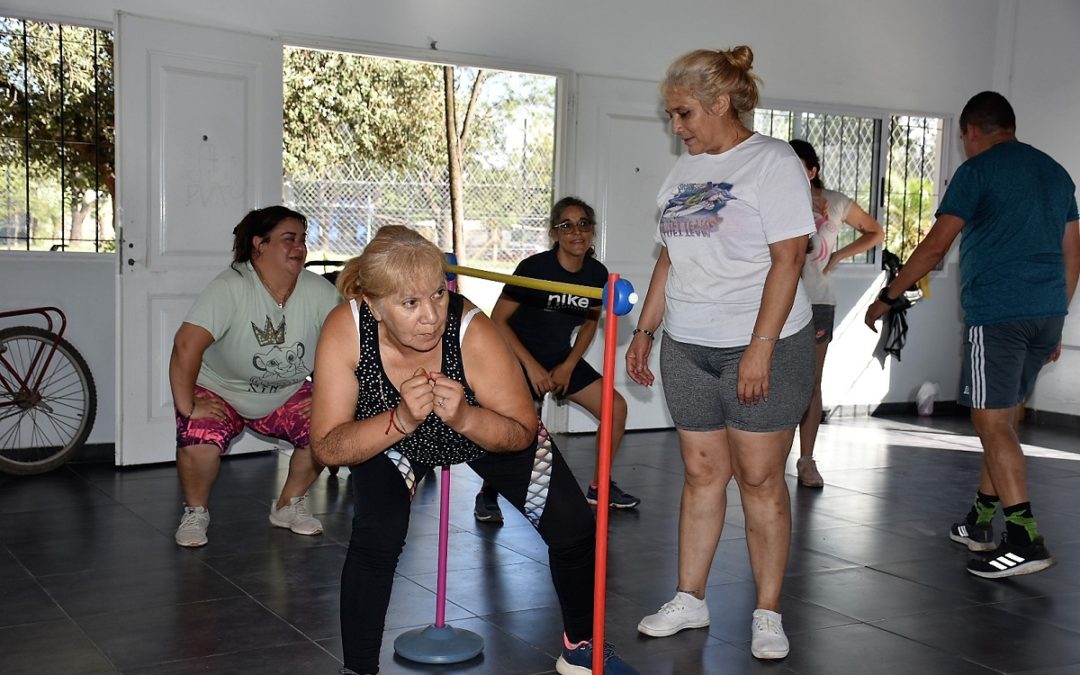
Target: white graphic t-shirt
[719, 213]
[261, 353]
[823, 245]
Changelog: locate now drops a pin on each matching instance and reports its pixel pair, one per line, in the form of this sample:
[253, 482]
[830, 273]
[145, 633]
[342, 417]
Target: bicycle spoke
[7, 436]
[43, 413]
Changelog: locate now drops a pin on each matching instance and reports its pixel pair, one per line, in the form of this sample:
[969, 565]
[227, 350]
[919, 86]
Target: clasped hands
[555, 380]
[430, 392]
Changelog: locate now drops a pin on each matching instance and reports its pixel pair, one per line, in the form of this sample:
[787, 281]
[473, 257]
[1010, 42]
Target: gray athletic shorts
[824, 318]
[1002, 360]
[701, 385]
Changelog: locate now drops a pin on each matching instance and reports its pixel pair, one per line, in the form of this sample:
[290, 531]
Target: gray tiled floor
[92, 582]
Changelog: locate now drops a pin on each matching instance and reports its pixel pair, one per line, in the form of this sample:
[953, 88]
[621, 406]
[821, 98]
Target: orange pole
[603, 488]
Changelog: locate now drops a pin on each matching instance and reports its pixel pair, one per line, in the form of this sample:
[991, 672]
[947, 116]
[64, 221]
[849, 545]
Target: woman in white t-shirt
[737, 354]
[831, 211]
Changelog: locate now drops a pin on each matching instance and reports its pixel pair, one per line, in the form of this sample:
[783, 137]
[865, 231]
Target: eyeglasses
[583, 225]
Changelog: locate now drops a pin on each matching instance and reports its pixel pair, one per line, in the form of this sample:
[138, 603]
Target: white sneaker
[193, 524]
[684, 611]
[295, 516]
[768, 640]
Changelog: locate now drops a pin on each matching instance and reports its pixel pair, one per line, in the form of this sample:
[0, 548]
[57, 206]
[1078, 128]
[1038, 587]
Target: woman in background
[241, 358]
[832, 210]
[538, 326]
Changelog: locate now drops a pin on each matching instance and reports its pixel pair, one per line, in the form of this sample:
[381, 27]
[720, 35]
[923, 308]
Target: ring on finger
[442, 401]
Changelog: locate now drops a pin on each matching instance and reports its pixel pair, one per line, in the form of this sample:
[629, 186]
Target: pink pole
[603, 489]
[444, 540]
[444, 529]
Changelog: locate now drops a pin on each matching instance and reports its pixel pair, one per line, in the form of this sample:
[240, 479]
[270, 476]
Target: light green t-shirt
[261, 353]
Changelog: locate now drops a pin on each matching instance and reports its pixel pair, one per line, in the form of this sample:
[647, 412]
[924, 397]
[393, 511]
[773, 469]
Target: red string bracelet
[394, 424]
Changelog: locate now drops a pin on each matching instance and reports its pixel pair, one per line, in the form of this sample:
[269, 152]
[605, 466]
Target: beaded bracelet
[648, 333]
[764, 337]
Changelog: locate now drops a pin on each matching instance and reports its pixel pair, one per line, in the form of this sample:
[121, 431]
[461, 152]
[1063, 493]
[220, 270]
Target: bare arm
[777, 298]
[505, 307]
[924, 258]
[872, 235]
[336, 437]
[189, 345]
[652, 314]
[584, 337]
[560, 374]
[505, 421]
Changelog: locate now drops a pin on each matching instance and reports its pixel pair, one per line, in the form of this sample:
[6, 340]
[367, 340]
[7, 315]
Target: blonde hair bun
[742, 57]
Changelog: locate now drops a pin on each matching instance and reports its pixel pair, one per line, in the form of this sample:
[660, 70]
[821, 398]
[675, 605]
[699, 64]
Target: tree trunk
[78, 218]
[454, 143]
[453, 164]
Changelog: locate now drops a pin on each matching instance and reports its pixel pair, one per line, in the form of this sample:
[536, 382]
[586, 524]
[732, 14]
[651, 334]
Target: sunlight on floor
[913, 435]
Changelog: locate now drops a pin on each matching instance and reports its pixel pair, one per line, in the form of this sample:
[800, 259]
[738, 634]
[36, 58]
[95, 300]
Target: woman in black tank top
[409, 376]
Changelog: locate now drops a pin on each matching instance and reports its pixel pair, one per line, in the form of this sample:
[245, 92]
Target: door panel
[624, 152]
[199, 118]
[201, 163]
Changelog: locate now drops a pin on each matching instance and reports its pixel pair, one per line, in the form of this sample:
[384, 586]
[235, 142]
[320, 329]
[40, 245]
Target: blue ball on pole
[625, 297]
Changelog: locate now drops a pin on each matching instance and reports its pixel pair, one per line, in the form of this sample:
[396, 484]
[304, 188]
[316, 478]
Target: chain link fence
[506, 211]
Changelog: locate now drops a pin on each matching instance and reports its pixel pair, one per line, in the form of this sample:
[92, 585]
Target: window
[912, 177]
[381, 157]
[899, 186]
[56, 137]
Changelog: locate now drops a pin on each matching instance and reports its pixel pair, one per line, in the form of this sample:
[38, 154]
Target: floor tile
[285, 660]
[991, 637]
[92, 581]
[143, 637]
[51, 647]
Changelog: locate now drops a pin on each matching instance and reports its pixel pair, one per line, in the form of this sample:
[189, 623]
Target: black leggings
[382, 501]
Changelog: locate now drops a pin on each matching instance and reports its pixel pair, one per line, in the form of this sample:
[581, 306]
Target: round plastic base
[438, 645]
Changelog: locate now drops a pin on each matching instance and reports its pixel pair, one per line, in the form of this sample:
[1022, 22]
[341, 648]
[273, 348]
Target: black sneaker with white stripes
[1010, 560]
[976, 537]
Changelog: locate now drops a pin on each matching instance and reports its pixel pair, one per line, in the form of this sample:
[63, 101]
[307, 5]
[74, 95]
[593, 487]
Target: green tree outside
[383, 121]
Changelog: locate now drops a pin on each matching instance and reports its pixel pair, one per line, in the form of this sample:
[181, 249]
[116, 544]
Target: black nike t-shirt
[546, 319]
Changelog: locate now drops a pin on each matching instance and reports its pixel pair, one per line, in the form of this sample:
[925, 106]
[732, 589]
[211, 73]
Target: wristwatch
[883, 296]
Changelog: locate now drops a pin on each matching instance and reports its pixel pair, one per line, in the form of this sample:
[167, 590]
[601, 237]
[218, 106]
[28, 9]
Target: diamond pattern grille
[849, 147]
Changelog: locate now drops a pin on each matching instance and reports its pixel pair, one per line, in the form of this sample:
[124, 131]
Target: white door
[199, 120]
[623, 152]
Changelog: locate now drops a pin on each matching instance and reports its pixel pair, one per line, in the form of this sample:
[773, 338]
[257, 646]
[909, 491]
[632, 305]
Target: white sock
[691, 601]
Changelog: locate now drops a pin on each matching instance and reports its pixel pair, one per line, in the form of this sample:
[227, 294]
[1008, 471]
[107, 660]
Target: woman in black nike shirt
[539, 326]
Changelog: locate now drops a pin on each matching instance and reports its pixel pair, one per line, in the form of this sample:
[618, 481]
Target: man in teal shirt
[1015, 209]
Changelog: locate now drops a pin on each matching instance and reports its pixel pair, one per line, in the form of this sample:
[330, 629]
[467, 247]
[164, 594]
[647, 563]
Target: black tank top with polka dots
[433, 442]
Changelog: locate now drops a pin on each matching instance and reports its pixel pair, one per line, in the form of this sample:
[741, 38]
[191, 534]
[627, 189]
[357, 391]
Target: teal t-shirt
[261, 353]
[1015, 201]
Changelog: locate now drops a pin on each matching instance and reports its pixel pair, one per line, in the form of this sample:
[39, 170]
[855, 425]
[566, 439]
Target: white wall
[855, 374]
[83, 286]
[1042, 81]
[926, 56]
[923, 55]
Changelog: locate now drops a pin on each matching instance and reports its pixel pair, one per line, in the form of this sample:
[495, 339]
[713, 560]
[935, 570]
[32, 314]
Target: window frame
[562, 172]
[882, 117]
[52, 256]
